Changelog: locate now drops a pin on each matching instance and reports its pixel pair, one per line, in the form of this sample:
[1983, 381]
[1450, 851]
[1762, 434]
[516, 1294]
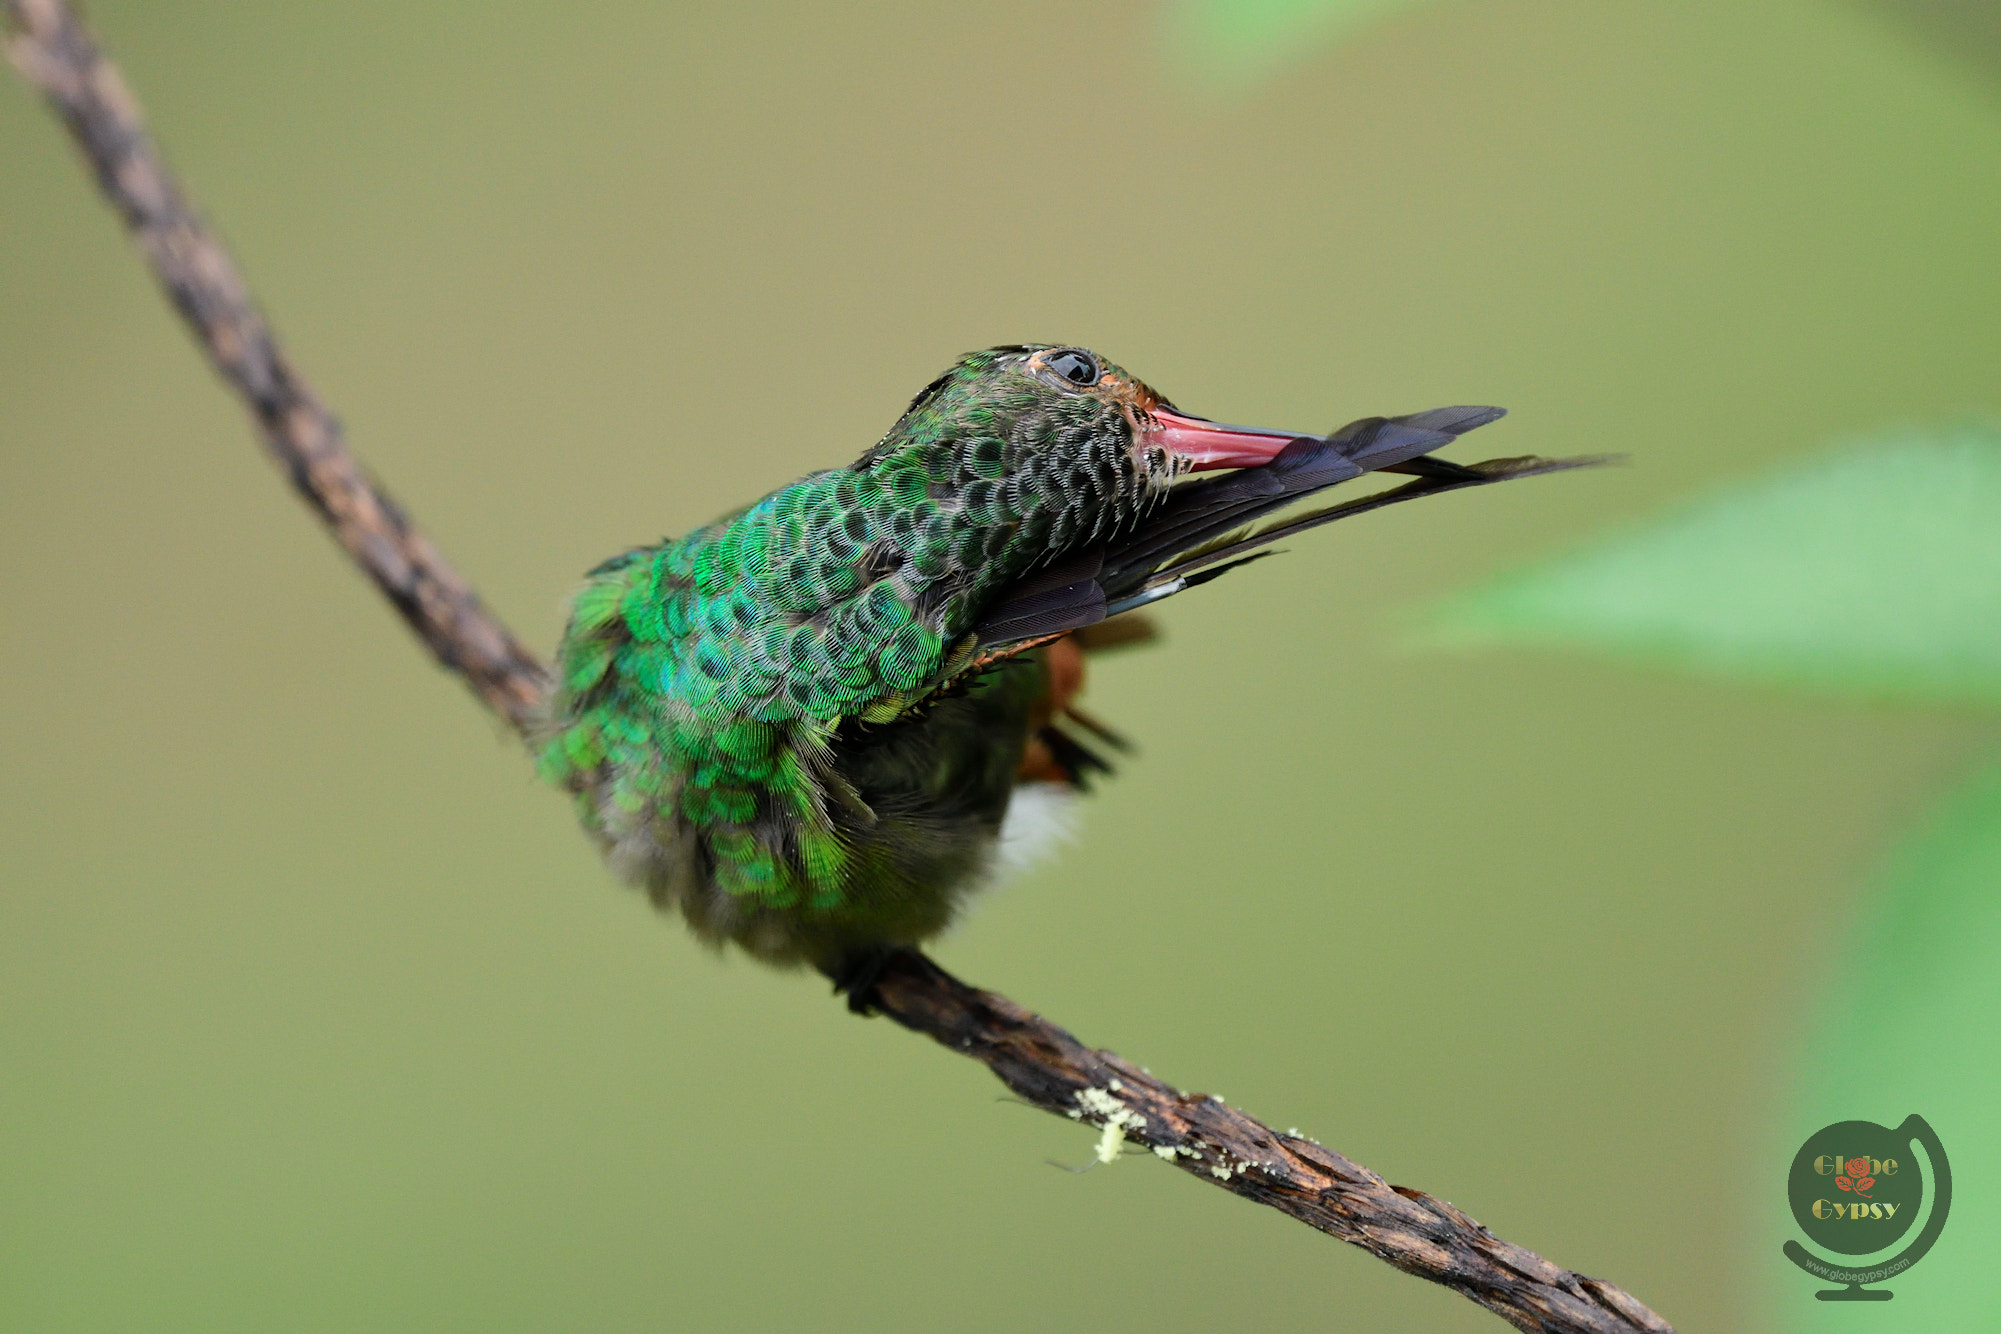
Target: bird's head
[1042, 411]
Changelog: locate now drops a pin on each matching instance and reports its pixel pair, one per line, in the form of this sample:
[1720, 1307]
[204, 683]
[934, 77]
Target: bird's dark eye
[1076, 367]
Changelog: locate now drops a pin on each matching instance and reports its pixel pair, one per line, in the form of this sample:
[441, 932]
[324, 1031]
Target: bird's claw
[855, 975]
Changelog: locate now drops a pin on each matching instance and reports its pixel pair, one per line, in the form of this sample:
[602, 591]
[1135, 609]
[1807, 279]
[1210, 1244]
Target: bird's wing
[1063, 595]
[1204, 528]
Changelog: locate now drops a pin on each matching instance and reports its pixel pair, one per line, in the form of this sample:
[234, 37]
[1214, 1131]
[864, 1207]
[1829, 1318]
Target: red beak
[1208, 445]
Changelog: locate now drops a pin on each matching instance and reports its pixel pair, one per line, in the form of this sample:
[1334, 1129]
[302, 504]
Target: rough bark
[56, 53]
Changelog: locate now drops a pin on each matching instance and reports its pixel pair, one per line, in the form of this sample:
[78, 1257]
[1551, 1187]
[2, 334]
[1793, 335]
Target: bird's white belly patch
[1041, 818]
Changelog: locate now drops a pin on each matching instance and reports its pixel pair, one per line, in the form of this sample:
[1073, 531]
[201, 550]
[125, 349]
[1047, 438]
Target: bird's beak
[1207, 445]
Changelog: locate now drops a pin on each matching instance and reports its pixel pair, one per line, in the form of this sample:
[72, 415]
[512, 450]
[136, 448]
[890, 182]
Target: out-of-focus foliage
[1236, 41]
[1875, 568]
[1966, 30]
[1910, 1029]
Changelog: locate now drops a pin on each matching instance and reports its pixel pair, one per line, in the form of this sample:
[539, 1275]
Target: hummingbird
[805, 725]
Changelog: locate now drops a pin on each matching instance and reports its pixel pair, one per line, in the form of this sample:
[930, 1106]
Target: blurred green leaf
[1968, 31]
[1915, 987]
[1239, 41]
[1873, 569]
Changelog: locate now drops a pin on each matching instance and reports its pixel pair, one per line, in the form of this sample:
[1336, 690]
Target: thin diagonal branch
[57, 54]
[1416, 1232]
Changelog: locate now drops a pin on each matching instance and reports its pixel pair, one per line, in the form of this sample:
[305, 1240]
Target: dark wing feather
[1198, 512]
[1205, 528]
[1066, 595]
[1198, 567]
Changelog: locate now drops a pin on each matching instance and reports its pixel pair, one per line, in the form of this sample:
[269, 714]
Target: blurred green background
[316, 1013]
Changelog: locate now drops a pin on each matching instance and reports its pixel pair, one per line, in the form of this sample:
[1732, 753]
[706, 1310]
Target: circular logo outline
[1915, 1129]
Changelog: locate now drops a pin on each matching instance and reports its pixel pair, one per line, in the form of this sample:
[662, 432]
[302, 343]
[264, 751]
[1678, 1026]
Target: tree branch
[1418, 1233]
[57, 54]
[1044, 1064]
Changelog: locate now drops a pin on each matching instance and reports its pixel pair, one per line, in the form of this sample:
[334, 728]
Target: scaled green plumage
[706, 681]
[802, 724]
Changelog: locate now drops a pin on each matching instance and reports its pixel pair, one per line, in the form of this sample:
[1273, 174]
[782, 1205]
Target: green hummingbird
[806, 724]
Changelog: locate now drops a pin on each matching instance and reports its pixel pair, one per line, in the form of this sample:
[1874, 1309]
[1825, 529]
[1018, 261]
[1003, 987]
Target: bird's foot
[856, 973]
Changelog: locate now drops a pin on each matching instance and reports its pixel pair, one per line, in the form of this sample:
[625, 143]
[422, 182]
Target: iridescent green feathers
[704, 680]
[803, 724]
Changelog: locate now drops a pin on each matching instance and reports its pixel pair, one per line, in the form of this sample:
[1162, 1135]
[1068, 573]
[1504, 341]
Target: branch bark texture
[57, 54]
[1044, 1064]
